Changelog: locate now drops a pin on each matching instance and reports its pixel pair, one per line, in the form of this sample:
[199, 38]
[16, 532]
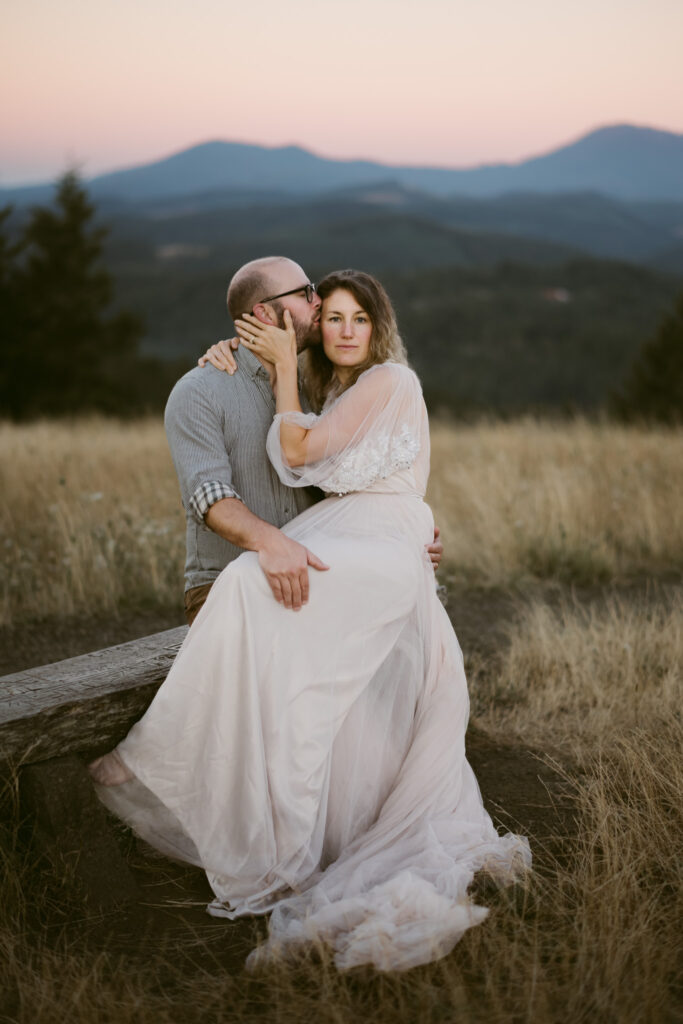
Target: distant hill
[625, 161]
[622, 161]
[328, 232]
[388, 226]
[507, 338]
[647, 232]
[498, 305]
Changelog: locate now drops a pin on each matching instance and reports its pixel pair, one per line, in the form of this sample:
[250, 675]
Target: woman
[314, 764]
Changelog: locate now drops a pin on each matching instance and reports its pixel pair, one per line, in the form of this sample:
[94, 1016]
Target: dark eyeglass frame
[309, 288]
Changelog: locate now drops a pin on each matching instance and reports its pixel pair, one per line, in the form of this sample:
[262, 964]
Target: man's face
[305, 315]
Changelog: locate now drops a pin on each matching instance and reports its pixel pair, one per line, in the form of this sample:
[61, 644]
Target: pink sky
[448, 82]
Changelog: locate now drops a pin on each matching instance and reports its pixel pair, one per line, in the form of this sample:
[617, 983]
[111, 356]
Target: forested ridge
[493, 321]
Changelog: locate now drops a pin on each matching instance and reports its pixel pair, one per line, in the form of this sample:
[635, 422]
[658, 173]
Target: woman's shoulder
[391, 375]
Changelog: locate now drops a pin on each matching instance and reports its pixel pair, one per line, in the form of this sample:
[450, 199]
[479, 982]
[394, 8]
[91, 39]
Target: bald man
[217, 423]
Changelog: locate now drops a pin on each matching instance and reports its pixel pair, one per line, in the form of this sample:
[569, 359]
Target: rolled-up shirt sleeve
[206, 495]
[195, 429]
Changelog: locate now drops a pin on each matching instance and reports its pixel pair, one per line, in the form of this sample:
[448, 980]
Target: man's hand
[435, 549]
[285, 564]
[220, 355]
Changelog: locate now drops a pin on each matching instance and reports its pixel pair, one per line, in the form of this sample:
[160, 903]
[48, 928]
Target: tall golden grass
[582, 674]
[90, 516]
[579, 501]
[592, 685]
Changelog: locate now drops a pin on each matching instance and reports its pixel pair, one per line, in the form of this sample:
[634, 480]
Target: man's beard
[307, 333]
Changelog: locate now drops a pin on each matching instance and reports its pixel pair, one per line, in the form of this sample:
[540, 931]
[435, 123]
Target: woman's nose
[347, 329]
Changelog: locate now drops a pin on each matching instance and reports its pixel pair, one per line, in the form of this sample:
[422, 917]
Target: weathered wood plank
[82, 704]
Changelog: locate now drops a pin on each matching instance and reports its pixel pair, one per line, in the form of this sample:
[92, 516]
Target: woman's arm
[355, 413]
[278, 347]
[221, 355]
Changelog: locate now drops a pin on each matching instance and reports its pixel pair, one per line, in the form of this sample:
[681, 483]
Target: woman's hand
[271, 343]
[220, 355]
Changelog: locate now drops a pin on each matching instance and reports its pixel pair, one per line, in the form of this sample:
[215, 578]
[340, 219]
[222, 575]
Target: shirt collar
[248, 363]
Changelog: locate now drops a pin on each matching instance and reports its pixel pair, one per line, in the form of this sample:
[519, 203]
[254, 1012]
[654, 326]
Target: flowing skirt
[313, 762]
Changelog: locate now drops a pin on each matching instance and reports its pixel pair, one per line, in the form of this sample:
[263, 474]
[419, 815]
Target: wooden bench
[85, 704]
[54, 717]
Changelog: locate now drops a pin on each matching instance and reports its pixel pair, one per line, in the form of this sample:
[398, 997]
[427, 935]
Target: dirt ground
[478, 616]
[42, 642]
[521, 792]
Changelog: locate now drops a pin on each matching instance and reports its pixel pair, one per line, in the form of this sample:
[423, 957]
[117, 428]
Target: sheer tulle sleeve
[371, 431]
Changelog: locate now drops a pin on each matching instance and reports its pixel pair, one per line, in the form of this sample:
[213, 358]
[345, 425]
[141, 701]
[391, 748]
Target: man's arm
[284, 561]
[198, 447]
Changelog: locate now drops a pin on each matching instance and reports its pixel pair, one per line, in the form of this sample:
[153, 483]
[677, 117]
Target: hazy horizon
[36, 180]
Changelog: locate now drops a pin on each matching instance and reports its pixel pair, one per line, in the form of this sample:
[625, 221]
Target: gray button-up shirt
[216, 427]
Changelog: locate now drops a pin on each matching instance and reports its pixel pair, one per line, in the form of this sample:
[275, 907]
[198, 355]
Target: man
[217, 424]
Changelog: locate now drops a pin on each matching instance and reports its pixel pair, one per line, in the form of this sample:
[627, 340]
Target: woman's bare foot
[109, 770]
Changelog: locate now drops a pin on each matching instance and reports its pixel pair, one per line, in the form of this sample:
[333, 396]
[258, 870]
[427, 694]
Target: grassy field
[572, 502]
[577, 531]
[90, 519]
[90, 515]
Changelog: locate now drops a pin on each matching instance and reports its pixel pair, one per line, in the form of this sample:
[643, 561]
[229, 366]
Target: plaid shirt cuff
[206, 495]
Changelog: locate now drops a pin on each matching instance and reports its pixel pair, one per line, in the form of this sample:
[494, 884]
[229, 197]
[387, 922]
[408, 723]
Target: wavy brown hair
[385, 341]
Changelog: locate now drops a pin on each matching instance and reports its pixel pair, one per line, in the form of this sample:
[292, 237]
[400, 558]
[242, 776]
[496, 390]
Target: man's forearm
[231, 519]
[284, 561]
[292, 436]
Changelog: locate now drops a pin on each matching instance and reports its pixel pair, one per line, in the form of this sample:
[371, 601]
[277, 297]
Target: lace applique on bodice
[375, 458]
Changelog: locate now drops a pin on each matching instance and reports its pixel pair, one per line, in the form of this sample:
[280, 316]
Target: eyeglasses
[308, 288]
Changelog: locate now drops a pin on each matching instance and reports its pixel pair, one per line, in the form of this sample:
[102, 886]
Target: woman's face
[346, 330]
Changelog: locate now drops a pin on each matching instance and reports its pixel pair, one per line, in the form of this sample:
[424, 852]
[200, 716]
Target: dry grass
[571, 501]
[601, 685]
[579, 675]
[594, 935]
[90, 516]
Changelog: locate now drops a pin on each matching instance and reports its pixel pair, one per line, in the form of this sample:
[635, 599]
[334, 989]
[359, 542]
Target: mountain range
[620, 161]
[526, 286]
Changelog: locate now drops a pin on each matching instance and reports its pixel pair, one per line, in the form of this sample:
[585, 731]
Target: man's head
[269, 286]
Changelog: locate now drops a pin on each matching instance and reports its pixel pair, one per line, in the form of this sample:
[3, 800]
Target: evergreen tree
[73, 354]
[12, 371]
[653, 389]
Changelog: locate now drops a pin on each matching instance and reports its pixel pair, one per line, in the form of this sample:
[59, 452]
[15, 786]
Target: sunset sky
[446, 82]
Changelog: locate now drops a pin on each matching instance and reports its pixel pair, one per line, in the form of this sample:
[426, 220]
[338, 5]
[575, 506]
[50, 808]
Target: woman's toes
[109, 770]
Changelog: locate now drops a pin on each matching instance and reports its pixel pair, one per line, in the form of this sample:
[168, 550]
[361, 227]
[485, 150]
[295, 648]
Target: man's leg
[194, 599]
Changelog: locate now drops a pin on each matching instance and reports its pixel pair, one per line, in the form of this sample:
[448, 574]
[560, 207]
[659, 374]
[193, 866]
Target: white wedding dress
[313, 763]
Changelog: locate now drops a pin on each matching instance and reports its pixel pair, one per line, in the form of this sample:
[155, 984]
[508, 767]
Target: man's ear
[265, 313]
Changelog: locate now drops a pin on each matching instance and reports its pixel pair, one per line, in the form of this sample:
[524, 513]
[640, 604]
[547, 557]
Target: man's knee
[194, 601]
